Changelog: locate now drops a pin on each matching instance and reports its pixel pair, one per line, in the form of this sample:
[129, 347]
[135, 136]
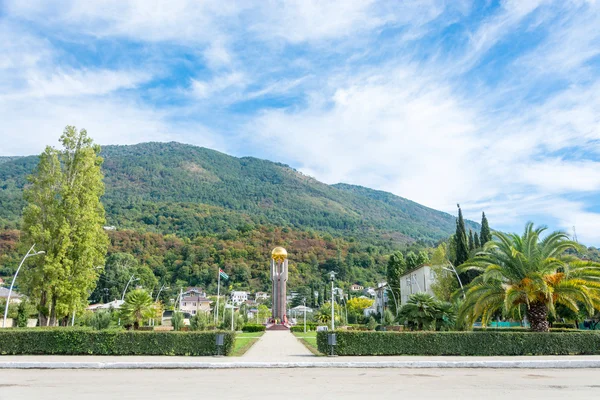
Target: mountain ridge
[150, 175]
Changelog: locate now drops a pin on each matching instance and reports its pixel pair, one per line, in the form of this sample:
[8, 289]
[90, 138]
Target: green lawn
[309, 339]
[243, 342]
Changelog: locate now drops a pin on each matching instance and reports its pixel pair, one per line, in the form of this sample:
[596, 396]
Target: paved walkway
[278, 346]
[291, 384]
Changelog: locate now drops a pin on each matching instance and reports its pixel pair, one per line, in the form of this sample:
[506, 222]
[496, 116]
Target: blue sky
[491, 104]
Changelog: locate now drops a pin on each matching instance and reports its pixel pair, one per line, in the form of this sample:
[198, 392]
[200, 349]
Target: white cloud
[407, 132]
[205, 89]
[391, 130]
[75, 83]
[37, 122]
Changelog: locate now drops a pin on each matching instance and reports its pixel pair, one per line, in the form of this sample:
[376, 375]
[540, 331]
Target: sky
[491, 104]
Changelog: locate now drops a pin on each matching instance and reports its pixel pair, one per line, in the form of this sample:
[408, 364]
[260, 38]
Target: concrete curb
[500, 364]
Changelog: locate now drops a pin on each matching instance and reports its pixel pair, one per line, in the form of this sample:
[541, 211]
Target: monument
[279, 277]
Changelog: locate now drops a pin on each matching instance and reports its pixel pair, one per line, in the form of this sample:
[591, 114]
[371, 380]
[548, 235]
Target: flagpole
[218, 294]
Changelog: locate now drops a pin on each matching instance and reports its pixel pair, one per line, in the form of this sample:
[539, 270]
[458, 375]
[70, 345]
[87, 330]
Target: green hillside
[188, 190]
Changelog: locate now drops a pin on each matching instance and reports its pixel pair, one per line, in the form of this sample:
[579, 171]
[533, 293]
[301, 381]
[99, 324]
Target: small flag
[223, 274]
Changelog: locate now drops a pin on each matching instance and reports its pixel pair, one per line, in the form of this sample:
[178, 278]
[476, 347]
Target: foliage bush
[198, 322]
[254, 328]
[177, 321]
[372, 324]
[310, 327]
[101, 320]
[522, 329]
[461, 343]
[423, 312]
[75, 341]
[564, 325]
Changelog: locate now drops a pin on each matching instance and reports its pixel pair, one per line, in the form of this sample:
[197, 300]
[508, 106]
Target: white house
[194, 291]
[261, 296]
[419, 280]
[369, 292]
[381, 300]
[116, 304]
[356, 287]
[239, 297]
[193, 304]
[15, 297]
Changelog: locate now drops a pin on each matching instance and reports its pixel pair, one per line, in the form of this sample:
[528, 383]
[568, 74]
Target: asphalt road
[316, 383]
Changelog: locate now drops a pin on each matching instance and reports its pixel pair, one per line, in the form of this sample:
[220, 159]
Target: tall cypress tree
[471, 241]
[486, 234]
[462, 249]
[395, 268]
[476, 241]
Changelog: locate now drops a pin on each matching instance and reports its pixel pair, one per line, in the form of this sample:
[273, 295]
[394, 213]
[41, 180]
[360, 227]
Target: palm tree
[419, 311]
[530, 274]
[138, 305]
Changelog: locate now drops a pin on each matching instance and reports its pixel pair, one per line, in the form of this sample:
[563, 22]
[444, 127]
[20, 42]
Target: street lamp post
[332, 277]
[346, 308]
[125, 291]
[304, 302]
[12, 284]
[452, 269]
[126, 286]
[160, 290]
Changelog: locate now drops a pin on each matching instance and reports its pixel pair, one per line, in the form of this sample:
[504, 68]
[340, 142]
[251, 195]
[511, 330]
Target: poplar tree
[486, 234]
[462, 249]
[395, 268]
[65, 218]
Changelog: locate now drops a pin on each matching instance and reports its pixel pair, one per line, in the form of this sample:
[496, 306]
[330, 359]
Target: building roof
[414, 269]
[301, 309]
[199, 299]
[4, 293]
[113, 304]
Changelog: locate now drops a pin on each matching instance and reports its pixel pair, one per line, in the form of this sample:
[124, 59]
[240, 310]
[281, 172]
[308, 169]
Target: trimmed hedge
[521, 329]
[76, 341]
[461, 343]
[300, 327]
[254, 328]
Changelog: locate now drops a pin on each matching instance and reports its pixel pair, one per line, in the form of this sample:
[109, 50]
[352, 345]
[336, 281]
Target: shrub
[522, 329]
[77, 341]
[101, 320]
[564, 325]
[372, 324]
[22, 314]
[177, 320]
[254, 328]
[198, 322]
[423, 312]
[351, 343]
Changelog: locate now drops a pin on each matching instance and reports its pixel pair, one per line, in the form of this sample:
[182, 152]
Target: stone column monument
[279, 277]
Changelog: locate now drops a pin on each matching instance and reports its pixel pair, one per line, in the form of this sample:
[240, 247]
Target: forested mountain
[183, 211]
[188, 190]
